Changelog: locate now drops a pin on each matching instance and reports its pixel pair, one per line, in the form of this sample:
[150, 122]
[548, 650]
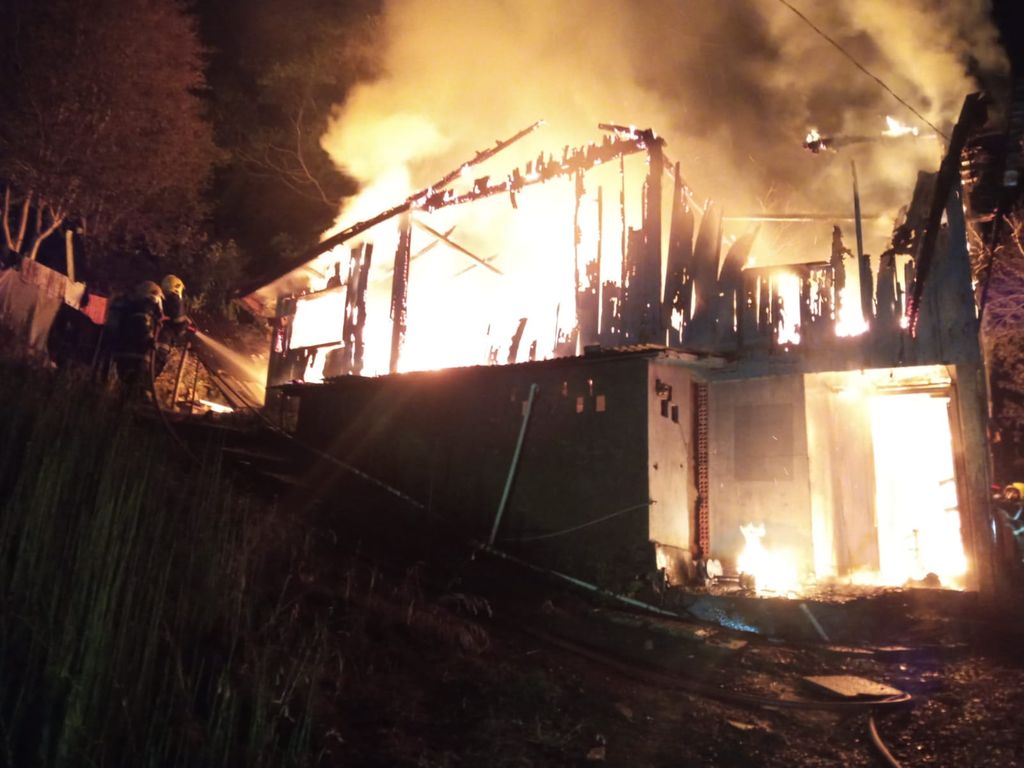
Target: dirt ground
[530, 673]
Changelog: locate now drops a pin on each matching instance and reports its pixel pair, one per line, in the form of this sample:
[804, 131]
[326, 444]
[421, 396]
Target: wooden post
[863, 262]
[576, 237]
[69, 253]
[649, 267]
[360, 307]
[600, 248]
[400, 291]
[972, 459]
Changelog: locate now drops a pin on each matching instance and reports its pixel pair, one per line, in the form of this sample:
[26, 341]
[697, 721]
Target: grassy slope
[155, 612]
[124, 601]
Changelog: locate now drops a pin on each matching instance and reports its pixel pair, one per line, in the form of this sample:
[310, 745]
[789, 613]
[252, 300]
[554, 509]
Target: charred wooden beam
[731, 295]
[540, 171]
[839, 252]
[400, 291]
[747, 311]
[600, 253]
[764, 307]
[631, 309]
[578, 189]
[413, 201]
[885, 291]
[455, 246]
[863, 260]
[517, 337]
[678, 283]
[624, 255]
[706, 255]
[649, 266]
[348, 328]
[972, 114]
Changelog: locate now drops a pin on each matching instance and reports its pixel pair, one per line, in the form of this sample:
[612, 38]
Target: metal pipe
[514, 465]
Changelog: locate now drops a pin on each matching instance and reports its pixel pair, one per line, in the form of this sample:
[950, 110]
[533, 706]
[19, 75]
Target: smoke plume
[732, 86]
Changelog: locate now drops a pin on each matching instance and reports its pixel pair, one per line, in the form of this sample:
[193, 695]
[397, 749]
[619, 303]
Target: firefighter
[176, 322]
[176, 326]
[132, 327]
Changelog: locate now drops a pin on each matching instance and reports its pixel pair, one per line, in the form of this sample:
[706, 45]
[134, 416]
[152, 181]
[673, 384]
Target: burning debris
[625, 285]
[816, 143]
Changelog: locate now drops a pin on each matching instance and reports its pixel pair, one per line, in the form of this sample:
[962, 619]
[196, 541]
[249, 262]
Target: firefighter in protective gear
[132, 327]
[176, 327]
[1014, 492]
[176, 323]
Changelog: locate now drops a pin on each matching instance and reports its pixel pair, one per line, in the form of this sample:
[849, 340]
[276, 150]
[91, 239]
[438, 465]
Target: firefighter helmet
[173, 284]
[1014, 492]
[149, 291]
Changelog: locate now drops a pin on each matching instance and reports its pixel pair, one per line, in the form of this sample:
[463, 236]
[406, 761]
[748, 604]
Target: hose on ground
[879, 745]
[711, 691]
[151, 369]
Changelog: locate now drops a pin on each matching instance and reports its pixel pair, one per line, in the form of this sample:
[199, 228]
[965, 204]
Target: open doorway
[883, 484]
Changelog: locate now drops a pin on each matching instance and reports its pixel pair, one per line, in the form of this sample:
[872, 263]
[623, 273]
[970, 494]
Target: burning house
[800, 423]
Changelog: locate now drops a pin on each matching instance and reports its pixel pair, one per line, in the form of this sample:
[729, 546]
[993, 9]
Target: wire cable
[580, 527]
[863, 69]
[219, 380]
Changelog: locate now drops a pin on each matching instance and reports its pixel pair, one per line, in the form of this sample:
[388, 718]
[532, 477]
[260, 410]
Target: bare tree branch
[56, 219]
[1004, 311]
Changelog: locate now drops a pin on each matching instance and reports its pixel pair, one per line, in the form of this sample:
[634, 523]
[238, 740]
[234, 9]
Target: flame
[774, 571]
[217, 407]
[506, 62]
[895, 482]
[850, 321]
[458, 311]
[896, 128]
[319, 319]
[918, 515]
[789, 299]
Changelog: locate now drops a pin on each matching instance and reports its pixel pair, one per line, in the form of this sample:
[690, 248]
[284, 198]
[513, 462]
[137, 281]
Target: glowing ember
[217, 407]
[774, 571]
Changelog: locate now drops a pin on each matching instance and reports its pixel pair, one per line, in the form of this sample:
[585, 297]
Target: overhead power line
[863, 69]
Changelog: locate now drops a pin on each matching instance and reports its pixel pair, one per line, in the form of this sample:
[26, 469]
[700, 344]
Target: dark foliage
[277, 69]
[101, 121]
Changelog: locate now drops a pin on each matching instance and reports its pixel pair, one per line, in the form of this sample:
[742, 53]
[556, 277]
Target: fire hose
[747, 700]
[160, 411]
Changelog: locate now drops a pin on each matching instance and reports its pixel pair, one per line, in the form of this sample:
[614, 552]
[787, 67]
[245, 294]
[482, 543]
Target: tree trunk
[13, 243]
[56, 219]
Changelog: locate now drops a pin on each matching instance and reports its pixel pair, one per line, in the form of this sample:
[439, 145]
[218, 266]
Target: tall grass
[128, 634]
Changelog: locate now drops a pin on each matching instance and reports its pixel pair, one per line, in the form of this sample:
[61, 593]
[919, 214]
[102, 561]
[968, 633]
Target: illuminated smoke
[731, 86]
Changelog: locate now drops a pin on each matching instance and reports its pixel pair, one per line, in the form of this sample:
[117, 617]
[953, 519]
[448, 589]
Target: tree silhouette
[277, 69]
[101, 123]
